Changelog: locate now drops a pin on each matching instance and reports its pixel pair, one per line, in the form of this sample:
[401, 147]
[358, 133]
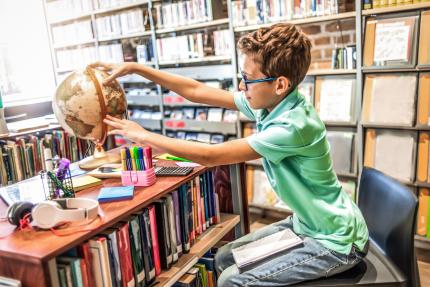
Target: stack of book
[135, 251]
[251, 12]
[344, 58]
[180, 13]
[121, 24]
[202, 114]
[75, 58]
[203, 274]
[200, 137]
[74, 33]
[111, 53]
[24, 157]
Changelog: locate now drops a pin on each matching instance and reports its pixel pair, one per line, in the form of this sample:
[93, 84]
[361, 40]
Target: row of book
[391, 99]
[261, 193]
[63, 9]
[145, 114]
[397, 41]
[202, 274]
[25, 156]
[170, 15]
[134, 252]
[122, 24]
[200, 137]
[344, 58]
[69, 34]
[342, 147]
[202, 114]
[372, 4]
[196, 45]
[251, 12]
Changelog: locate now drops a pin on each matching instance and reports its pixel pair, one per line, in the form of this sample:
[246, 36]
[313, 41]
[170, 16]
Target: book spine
[154, 236]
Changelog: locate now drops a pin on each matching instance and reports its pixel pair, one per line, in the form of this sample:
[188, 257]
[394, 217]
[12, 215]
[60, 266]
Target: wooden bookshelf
[196, 60]
[399, 8]
[208, 239]
[217, 22]
[45, 129]
[308, 20]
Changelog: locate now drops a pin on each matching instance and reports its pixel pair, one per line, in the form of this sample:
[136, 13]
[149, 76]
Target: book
[215, 114]
[424, 42]
[164, 240]
[124, 251]
[84, 182]
[397, 160]
[390, 41]
[342, 151]
[423, 210]
[154, 237]
[136, 250]
[335, 98]
[114, 262]
[147, 246]
[390, 99]
[108, 194]
[423, 113]
[251, 253]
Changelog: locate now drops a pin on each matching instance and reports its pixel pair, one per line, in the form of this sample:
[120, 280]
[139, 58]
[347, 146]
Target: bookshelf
[225, 67]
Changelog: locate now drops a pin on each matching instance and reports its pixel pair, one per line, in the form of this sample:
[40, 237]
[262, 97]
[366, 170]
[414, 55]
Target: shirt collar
[285, 105]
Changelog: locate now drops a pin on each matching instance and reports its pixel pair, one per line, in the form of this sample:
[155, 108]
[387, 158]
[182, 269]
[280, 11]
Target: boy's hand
[129, 129]
[116, 70]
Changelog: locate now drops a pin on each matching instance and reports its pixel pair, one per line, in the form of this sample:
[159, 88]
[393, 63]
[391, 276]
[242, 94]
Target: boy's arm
[190, 89]
[209, 155]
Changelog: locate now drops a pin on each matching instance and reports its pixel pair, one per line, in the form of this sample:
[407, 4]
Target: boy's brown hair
[281, 50]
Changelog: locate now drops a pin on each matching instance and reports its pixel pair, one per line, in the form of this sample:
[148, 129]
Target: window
[26, 70]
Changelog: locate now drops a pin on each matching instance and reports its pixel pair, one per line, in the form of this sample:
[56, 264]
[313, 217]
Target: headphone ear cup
[18, 210]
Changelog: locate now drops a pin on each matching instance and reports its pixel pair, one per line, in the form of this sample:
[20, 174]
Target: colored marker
[141, 158]
[148, 157]
[128, 159]
[133, 160]
[124, 159]
[176, 158]
[136, 158]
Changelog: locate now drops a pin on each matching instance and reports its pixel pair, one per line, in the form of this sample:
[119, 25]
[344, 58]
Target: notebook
[85, 181]
[108, 194]
[255, 251]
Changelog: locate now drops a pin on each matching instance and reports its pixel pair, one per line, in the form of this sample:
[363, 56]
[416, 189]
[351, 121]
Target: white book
[257, 250]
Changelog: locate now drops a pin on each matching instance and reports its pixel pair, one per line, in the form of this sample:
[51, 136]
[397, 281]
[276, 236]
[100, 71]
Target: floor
[424, 267]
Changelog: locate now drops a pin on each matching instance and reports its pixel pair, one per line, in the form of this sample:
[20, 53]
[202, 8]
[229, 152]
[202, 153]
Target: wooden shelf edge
[193, 26]
[395, 8]
[308, 20]
[208, 239]
[11, 135]
[422, 242]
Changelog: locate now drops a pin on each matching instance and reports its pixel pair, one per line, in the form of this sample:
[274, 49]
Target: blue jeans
[308, 261]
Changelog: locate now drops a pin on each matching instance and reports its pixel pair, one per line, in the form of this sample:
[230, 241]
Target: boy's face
[265, 95]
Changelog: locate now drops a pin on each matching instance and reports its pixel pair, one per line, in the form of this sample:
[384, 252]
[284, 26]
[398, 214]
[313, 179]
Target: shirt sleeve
[243, 106]
[277, 142]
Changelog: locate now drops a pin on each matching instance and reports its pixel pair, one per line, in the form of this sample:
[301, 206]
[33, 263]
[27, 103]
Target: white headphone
[48, 214]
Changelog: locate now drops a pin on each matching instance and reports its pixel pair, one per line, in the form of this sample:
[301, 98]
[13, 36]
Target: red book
[85, 279]
[85, 253]
[154, 235]
[125, 255]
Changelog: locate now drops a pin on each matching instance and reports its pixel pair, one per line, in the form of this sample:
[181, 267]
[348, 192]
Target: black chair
[389, 209]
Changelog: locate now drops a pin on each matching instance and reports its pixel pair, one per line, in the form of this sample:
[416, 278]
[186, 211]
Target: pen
[176, 158]
[124, 159]
[136, 158]
[128, 159]
[148, 157]
[133, 160]
[141, 158]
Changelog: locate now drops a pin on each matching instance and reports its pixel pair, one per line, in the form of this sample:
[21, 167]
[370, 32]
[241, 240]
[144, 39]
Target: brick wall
[326, 36]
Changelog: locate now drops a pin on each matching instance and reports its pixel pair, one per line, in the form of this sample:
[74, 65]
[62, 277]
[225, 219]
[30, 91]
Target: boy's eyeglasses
[262, 80]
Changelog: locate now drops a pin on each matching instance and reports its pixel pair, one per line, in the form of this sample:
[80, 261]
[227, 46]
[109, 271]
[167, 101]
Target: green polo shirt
[296, 158]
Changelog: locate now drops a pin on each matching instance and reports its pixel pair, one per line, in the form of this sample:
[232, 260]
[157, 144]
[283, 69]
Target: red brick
[311, 29]
[316, 54]
[344, 25]
[327, 53]
[344, 39]
[322, 41]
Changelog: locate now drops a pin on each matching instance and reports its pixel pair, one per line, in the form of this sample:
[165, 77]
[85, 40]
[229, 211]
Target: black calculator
[172, 170]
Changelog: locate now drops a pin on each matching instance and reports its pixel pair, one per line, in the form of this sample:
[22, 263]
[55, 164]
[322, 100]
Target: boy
[292, 141]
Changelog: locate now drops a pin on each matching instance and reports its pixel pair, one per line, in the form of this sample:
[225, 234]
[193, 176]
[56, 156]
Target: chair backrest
[390, 210]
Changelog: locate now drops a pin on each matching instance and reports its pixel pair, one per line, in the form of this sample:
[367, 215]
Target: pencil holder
[138, 178]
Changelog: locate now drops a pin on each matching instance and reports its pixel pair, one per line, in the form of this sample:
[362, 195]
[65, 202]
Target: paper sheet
[391, 41]
[335, 100]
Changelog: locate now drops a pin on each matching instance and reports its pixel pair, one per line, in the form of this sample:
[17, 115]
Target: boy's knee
[221, 258]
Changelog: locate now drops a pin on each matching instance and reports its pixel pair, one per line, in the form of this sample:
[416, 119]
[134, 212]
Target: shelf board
[208, 239]
[394, 127]
[86, 42]
[347, 175]
[422, 242]
[144, 100]
[226, 128]
[12, 135]
[308, 20]
[193, 26]
[71, 18]
[399, 8]
[255, 162]
[121, 7]
[196, 60]
[422, 184]
[395, 70]
[340, 125]
[323, 72]
[139, 34]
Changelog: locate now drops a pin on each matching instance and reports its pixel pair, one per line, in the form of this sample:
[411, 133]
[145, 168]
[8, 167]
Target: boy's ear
[282, 85]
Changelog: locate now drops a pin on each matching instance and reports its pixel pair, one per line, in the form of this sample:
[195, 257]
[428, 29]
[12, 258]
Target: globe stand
[99, 158]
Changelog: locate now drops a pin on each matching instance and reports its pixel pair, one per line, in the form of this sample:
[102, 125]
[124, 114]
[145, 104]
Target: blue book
[108, 194]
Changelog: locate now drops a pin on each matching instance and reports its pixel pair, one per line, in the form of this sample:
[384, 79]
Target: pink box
[138, 178]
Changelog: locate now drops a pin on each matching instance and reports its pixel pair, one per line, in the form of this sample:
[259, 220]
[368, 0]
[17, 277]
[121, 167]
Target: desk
[25, 255]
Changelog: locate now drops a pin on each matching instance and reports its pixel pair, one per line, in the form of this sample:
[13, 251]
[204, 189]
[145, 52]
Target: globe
[80, 104]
